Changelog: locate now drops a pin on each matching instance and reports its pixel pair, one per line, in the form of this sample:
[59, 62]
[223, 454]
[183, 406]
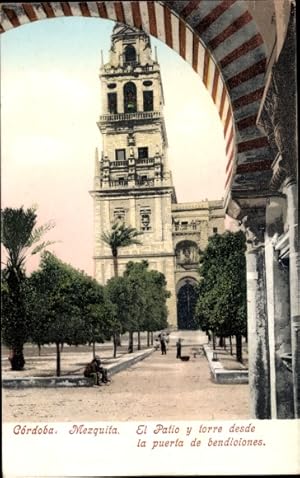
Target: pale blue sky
[50, 102]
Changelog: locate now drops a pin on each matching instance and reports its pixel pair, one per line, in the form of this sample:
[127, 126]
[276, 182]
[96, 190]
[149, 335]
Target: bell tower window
[145, 218]
[120, 155]
[112, 103]
[130, 54]
[142, 153]
[119, 214]
[130, 98]
[148, 100]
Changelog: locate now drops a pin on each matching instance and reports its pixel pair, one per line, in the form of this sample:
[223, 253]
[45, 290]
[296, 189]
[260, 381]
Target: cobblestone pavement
[158, 388]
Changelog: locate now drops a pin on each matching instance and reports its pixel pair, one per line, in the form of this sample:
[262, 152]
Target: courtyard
[158, 388]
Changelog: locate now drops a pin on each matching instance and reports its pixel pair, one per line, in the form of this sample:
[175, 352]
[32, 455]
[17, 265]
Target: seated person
[95, 370]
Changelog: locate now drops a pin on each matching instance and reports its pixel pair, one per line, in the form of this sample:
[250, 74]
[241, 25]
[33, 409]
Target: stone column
[294, 261]
[258, 346]
[278, 302]
[279, 120]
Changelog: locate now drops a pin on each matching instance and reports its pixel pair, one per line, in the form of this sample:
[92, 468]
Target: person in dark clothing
[163, 344]
[96, 371]
[178, 348]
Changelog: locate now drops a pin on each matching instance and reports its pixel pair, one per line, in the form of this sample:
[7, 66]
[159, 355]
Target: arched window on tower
[148, 100]
[130, 98]
[112, 103]
[130, 54]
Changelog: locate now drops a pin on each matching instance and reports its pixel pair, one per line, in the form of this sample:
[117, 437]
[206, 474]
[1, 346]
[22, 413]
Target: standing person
[163, 344]
[95, 370]
[178, 348]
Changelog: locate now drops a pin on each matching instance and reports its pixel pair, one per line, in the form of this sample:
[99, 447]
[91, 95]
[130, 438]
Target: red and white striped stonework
[219, 38]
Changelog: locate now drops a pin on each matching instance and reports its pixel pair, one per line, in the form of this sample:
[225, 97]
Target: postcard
[149, 278]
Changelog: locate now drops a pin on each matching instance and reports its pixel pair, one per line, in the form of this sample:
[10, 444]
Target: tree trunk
[139, 340]
[61, 346]
[115, 342]
[224, 343]
[57, 359]
[115, 263]
[130, 342]
[230, 341]
[118, 338]
[239, 356]
[94, 349]
[39, 348]
[16, 358]
[148, 338]
[221, 341]
[214, 340]
[151, 338]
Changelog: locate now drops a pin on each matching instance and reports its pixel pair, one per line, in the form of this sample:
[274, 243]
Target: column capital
[253, 224]
[250, 211]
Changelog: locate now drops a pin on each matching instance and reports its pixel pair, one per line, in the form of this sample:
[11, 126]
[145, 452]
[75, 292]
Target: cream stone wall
[194, 222]
[145, 136]
[124, 187]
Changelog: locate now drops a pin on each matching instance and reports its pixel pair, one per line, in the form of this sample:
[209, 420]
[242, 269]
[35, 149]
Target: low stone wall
[75, 380]
[220, 374]
[47, 382]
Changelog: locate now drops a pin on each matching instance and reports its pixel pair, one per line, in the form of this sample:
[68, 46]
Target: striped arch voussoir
[198, 30]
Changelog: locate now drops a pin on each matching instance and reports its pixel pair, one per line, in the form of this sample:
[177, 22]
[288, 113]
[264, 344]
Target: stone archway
[186, 302]
[222, 42]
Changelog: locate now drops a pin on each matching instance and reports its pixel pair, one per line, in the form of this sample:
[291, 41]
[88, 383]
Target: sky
[50, 102]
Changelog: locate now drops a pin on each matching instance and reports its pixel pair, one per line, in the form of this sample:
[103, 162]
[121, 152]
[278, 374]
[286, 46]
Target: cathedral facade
[133, 182]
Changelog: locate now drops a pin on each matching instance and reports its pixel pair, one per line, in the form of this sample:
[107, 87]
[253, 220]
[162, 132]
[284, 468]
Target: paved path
[158, 388]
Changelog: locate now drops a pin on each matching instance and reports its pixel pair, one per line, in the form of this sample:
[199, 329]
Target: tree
[149, 295]
[67, 306]
[140, 300]
[18, 234]
[120, 236]
[153, 311]
[119, 296]
[221, 305]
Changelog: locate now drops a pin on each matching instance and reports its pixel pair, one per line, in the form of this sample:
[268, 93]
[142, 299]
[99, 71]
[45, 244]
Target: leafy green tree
[120, 236]
[155, 311]
[148, 290]
[118, 294]
[140, 300]
[221, 305]
[20, 237]
[67, 306]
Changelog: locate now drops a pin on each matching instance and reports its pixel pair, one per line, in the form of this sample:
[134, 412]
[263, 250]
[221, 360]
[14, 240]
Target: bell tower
[132, 181]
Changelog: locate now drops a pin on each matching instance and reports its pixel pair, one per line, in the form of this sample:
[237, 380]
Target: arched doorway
[186, 302]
